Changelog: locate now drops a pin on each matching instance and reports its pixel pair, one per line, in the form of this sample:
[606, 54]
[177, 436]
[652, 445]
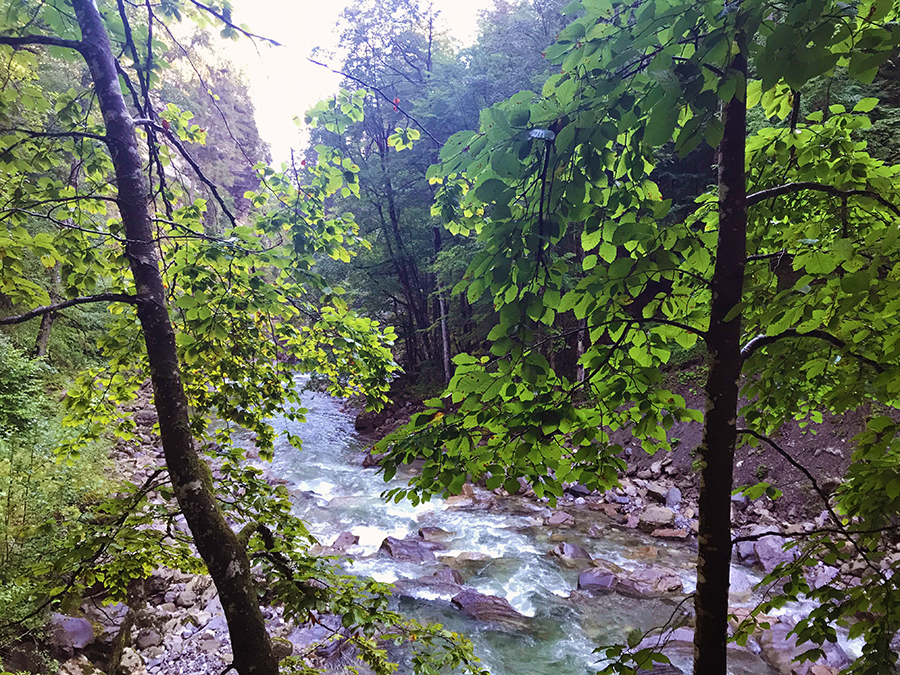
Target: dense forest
[610, 296]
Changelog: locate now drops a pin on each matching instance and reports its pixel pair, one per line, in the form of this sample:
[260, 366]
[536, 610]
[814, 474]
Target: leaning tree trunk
[225, 557]
[722, 386]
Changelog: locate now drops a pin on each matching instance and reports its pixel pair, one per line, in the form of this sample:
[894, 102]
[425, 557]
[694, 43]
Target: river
[504, 551]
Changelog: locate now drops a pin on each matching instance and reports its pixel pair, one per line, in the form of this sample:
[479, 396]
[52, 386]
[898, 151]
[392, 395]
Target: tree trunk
[225, 557]
[406, 266]
[403, 277]
[445, 338]
[722, 386]
[442, 310]
[43, 337]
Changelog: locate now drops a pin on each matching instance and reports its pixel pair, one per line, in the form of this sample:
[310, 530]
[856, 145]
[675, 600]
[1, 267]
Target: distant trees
[783, 276]
[420, 84]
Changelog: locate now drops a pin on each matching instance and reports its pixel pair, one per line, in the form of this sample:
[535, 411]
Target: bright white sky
[282, 83]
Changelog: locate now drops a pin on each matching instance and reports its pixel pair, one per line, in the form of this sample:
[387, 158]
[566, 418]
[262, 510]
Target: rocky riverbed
[529, 582]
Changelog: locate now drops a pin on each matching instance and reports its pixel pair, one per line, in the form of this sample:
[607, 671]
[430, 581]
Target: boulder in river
[344, 541]
[560, 519]
[655, 518]
[490, 608]
[437, 534]
[571, 555]
[372, 460]
[445, 575]
[770, 552]
[649, 582]
[445, 583]
[780, 650]
[409, 550]
[596, 579]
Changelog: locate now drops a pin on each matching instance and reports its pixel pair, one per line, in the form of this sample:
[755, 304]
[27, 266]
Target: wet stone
[434, 534]
[490, 608]
[344, 541]
[599, 580]
[408, 550]
[655, 518]
[571, 555]
[560, 518]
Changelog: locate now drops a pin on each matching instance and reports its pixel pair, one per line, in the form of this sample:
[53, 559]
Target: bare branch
[84, 300]
[761, 341]
[842, 527]
[190, 160]
[243, 31]
[46, 40]
[790, 188]
[378, 91]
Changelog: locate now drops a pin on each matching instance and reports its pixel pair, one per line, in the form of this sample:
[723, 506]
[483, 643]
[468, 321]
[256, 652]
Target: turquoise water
[506, 546]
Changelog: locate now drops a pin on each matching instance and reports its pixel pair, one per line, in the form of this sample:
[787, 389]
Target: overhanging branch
[84, 300]
[761, 341]
[801, 186]
[55, 134]
[233, 26]
[45, 40]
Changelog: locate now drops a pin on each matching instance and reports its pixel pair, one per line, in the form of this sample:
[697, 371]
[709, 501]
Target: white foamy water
[500, 551]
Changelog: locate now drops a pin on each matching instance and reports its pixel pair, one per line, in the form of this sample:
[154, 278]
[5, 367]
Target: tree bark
[722, 386]
[225, 558]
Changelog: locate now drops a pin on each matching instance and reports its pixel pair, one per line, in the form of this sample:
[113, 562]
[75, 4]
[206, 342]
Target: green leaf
[634, 638]
[865, 105]
[490, 190]
[715, 130]
[662, 121]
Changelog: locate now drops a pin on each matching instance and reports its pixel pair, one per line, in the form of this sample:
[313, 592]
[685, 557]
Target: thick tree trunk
[225, 557]
[720, 431]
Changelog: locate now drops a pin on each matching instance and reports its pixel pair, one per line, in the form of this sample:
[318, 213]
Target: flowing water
[503, 550]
